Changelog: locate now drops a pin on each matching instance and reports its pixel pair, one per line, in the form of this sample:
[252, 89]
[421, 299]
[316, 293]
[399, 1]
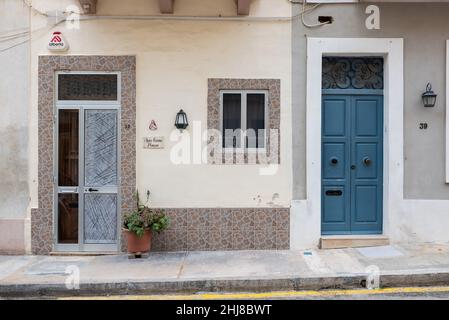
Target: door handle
[92, 190]
[333, 161]
[367, 161]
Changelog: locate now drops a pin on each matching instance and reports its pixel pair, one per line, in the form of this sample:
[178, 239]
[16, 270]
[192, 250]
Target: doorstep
[83, 253]
[353, 241]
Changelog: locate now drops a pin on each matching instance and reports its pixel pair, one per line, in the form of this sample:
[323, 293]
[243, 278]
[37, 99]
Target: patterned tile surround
[273, 86]
[190, 229]
[225, 229]
[42, 217]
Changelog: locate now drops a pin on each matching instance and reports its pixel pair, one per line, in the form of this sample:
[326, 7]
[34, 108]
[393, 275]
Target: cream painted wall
[14, 58]
[174, 61]
[14, 99]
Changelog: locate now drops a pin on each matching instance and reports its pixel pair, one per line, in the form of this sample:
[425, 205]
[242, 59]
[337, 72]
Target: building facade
[336, 148]
[160, 65]
[385, 63]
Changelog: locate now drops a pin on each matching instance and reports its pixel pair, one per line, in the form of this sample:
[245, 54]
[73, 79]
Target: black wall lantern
[429, 97]
[181, 120]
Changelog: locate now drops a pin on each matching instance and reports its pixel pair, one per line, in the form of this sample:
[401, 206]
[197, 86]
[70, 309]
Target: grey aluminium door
[87, 157]
[87, 194]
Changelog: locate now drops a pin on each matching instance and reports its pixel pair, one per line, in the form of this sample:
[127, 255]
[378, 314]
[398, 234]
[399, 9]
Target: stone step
[353, 241]
[82, 253]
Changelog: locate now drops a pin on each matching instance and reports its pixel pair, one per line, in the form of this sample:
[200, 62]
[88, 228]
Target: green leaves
[160, 222]
[133, 223]
[144, 218]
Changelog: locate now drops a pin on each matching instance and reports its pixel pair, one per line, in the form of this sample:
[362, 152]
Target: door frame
[307, 220]
[81, 106]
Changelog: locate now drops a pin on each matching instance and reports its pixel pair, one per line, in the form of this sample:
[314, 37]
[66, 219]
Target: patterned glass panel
[87, 87]
[100, 158]
[100, 218]
[353, 73]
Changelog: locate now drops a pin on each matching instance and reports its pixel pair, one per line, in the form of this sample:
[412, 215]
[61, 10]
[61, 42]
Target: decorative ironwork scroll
[353, 73]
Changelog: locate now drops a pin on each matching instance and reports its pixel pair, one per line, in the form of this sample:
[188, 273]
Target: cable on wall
[308, 10]
[18, 33]
[305, 10]
[13, 35]
[8, 36]
[29, 39]
[29, 5]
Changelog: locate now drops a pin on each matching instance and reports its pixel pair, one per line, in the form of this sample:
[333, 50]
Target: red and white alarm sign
[58, 42]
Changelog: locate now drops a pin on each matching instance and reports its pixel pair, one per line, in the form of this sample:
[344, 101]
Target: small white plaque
[153, 143]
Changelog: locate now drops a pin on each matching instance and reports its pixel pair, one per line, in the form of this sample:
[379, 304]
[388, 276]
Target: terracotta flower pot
[136, 243]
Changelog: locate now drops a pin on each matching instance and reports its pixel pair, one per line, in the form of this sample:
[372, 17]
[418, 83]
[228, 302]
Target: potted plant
[139, 224]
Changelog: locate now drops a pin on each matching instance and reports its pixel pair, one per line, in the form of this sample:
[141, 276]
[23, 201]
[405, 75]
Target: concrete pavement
[224, 271]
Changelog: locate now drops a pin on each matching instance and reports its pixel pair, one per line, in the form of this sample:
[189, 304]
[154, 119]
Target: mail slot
[334, 193]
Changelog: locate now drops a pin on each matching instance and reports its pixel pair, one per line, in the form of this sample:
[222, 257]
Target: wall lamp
[429, 97]
[181, 121]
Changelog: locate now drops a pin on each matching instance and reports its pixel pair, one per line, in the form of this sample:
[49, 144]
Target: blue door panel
[335, 155]
[352, 164]
[335, 170]
[334, 115]
[367, 156]
[365, 203]
[366, 116]
[334, 202]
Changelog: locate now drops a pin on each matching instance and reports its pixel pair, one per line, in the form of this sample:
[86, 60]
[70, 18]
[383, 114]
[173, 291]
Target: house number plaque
[153, 143]
[423, 126]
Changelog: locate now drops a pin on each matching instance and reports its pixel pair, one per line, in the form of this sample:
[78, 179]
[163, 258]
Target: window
[249, 109]
[243, 115]
[85, 86]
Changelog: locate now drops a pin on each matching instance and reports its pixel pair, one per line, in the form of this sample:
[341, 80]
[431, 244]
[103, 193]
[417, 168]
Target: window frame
[243, 119]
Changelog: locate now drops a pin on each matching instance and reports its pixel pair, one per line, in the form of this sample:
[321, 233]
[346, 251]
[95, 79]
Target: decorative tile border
[225, 229]
[273, 86]
[42, 217]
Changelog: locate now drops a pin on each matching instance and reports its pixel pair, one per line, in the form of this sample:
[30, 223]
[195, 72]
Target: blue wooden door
[352, 164]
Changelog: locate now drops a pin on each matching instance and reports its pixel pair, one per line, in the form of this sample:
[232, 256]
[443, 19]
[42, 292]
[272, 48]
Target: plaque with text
[153, 143]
